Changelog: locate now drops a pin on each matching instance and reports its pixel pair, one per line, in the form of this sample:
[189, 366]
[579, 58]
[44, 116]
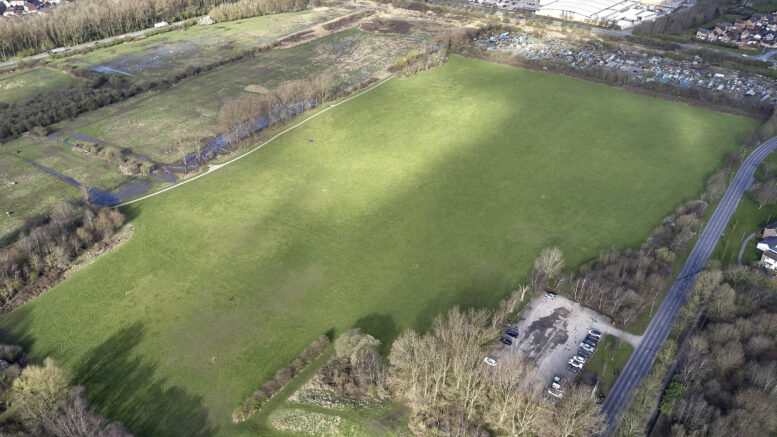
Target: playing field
[424, 193]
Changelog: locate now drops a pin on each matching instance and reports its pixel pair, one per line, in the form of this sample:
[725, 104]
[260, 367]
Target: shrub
[282, 377]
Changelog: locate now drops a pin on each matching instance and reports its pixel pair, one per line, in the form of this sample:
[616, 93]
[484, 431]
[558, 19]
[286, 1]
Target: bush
[282, 377]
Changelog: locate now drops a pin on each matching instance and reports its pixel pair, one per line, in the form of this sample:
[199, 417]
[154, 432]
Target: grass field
[381, 213]
[160, 55]
[151, 123]
[23, 84]
[611, 356]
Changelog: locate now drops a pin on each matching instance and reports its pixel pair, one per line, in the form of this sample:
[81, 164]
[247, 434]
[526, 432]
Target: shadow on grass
[381, 326]
[125, 388]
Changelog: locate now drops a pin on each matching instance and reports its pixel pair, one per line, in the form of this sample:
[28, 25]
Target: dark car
[590, 343]
[506, 340]
[512, 333]
[572, 368]
[583, 353]
[592, 338]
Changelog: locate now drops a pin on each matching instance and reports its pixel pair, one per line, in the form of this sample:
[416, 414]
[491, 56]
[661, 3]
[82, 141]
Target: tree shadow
[381, 326]
[124, 388]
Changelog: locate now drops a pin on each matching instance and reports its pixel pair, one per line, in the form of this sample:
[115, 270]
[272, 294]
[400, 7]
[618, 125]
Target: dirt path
[744, 245]
[323, 29]
[212, 168]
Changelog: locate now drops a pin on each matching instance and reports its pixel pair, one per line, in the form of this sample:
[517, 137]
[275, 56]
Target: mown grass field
[381, 213]
[160, 55]
[23, 84]
[151, 124]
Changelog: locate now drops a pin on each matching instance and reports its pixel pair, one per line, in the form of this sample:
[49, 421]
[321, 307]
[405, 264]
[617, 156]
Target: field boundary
[213, 168]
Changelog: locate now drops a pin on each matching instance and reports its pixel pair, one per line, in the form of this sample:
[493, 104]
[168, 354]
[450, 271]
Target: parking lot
[549, 332]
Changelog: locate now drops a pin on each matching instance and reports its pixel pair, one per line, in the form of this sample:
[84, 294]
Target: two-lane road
[642, 359]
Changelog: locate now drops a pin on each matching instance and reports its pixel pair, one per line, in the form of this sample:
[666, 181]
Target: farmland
[381, 213]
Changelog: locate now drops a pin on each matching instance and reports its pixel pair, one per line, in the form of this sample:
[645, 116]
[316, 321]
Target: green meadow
[424, 193]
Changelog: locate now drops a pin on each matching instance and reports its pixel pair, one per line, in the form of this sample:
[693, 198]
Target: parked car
[511, 333]
[506, 340]
[577, 364]
[555, 393]
[595, 333]
[590, 343]
[572, 368]
[592, 338]
[557, 386]
[583, 353]
[559, 380]
[587, 347]
[550, 294]
[579, 358]
[490, 361]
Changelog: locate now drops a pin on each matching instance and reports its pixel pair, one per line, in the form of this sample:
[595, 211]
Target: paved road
[11, 63]
[643, 357]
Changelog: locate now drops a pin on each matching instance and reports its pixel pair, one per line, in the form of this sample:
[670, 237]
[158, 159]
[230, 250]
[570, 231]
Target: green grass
[381, 213]
[150, 124]
[23, 84]
[158, 56]
[611, 356]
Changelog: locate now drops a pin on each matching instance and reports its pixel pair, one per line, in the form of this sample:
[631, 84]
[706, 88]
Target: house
[769, 248]
[702, 34]
[739, 24]
[752, 23]
[745, 35]
[768, 244]
[769, 260]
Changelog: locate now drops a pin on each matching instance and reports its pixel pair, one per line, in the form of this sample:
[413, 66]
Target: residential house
[702, 34]
[769, 248]
[740, 24]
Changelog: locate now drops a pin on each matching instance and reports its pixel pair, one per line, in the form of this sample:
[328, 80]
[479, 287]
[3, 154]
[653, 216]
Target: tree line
[726, 379]
[48, 249]
[254, 8]
[87, 20]
[441, 377]
[37, 400]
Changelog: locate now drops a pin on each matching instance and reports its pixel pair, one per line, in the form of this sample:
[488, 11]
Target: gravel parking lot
[550, 331]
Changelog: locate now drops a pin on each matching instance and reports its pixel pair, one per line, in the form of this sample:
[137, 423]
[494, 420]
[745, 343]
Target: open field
[150, 124]
[35, 190]
[19, 85]
[160, 55]
[381, 213]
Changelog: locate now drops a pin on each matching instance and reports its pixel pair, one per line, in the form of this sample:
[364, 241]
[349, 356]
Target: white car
[555, 393]
[490, 361]
[577, 364]
[587, 347]
[595, 334]
[579, 358]
[550, 294]
[556, 386]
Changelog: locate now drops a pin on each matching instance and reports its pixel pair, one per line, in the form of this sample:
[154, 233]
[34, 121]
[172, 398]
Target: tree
[576, 415]
[78, 419]
[765, 193]
[36, 394]
[547, 266]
